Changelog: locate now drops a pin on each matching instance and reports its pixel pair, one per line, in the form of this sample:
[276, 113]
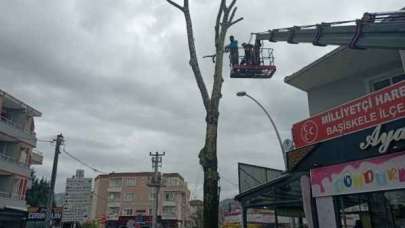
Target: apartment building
[76, 206]
[17, 140]
[196, 213]
[124, 196]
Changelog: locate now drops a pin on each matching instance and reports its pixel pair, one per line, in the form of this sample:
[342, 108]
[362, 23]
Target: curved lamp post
[244, 94]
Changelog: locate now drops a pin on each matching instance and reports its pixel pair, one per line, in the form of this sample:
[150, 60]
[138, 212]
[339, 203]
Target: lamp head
[241, 94]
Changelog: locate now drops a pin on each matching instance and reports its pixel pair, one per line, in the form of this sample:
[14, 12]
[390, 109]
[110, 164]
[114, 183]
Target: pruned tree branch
[231, 5]
[234, 22]
[210, 56]
[221, 9]
[233, 14]
[175, 5]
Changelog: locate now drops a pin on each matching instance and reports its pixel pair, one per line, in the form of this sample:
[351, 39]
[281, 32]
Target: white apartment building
[77, 203]
[17, 139]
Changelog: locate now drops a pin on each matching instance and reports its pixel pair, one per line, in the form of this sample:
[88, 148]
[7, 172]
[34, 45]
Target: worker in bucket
[232, 48]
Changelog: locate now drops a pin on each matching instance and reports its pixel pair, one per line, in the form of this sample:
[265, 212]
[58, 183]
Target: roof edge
[21, 103]
[290, 78]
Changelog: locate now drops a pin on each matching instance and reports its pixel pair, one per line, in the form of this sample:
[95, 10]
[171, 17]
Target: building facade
[352, 147]
[196, 213]
[77, 200]
[124, 196]
[348, 165]
[17, 140]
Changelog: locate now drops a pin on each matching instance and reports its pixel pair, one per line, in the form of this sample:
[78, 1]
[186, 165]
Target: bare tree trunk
[208, 154]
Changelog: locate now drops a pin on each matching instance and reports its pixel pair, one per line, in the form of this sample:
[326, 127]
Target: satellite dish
[288, 145]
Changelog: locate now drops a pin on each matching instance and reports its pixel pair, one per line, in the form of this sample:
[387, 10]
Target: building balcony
[36, 158]
[12, 130]
[116, 203]
[169, 203]
[169, 216]
[11, 165]
[114, 189]
[12, 200]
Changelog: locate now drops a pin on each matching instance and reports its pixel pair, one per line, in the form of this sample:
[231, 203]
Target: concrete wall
[99, 204]
[330, 95]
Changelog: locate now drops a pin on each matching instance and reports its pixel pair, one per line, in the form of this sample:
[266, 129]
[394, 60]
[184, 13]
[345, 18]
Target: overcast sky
[113, 77]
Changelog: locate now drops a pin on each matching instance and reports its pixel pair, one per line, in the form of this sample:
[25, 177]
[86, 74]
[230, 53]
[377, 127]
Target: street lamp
[244, 94]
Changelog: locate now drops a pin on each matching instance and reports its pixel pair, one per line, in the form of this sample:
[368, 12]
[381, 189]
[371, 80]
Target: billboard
[382, 106]
[251, 176]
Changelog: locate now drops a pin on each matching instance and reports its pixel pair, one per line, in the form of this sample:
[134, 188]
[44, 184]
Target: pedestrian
[232, 48]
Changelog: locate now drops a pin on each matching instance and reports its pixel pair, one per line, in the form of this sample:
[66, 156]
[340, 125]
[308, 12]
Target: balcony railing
[11, 165]
[10, 195]
[36, 157]
[13, 160]
[16, 125]
[17, 131]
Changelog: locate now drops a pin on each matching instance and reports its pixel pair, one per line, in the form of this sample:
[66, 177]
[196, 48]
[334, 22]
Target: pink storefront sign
[375, 174]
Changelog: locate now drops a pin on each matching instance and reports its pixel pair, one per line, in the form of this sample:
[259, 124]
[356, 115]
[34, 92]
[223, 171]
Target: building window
[130, 196]
[169, 211]
[128, 212]
[113, 211]
[382, 83]
[173, 181]
[114, 196]
[115, 182]
[169, 196]
[131, 182]
[152, 196]
[140, 212]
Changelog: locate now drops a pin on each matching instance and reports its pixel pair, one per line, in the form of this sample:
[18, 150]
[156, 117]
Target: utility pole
[156, 184]
[59, 142]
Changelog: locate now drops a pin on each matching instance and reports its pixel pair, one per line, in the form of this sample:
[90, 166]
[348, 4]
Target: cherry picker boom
[385, 30]
[375, 30]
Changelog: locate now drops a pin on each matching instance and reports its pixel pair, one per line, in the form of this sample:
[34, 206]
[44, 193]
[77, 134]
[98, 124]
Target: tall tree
[208, 154]
[37, 196]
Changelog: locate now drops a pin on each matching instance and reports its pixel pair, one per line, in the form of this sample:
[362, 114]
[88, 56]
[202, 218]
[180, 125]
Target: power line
[80, 161]
[228, 181]
[44, 140]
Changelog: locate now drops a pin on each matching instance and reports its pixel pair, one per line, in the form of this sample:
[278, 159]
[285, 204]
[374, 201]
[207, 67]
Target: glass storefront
[385, 209]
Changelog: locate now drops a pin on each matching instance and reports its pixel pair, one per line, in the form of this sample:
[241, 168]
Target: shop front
[369, 192]
[355, 154]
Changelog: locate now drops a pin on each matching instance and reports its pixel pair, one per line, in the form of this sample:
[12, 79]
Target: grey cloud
[113, 77]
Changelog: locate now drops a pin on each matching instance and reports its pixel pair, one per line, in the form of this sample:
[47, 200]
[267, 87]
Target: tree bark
[208, 154]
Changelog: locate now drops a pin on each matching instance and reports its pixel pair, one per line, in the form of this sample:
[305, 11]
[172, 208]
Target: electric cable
[229, 182]
[80, 161]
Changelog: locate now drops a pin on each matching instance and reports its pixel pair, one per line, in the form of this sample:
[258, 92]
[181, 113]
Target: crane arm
[375, 30]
